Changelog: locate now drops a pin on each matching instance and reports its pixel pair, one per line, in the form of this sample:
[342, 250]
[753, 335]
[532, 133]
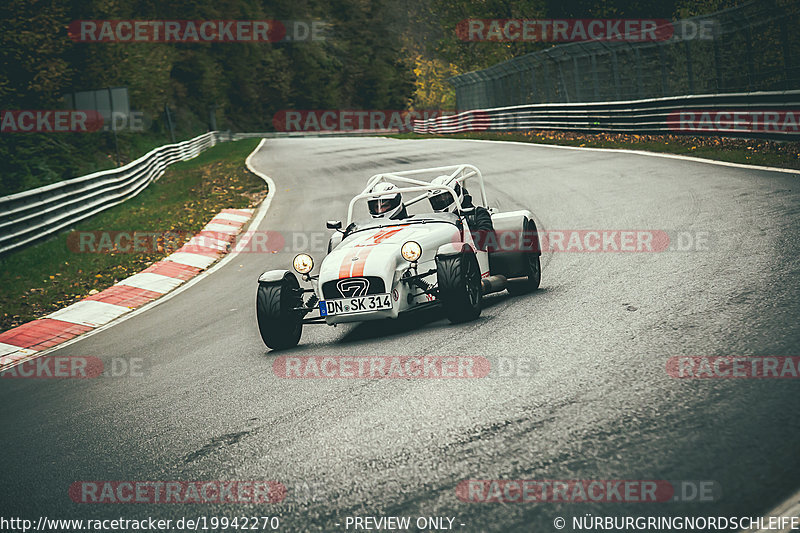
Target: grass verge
[47, 276]
[746, 151]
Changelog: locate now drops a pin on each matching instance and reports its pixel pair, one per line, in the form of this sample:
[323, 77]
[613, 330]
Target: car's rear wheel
[532, 279]
[459, 280]
[279, 324]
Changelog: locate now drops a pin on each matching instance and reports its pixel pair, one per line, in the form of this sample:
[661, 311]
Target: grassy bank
[751, 152]
[49, 275]
[32, 160]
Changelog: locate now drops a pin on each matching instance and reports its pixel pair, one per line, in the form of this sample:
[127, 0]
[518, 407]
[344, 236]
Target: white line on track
[626, 151]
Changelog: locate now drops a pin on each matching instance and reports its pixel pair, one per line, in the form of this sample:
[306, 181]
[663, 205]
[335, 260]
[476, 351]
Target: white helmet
[389, 204]
[442, 200]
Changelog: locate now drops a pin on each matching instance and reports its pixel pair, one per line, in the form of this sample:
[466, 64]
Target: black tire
[279, 324]
[459, 279]
[533, 278]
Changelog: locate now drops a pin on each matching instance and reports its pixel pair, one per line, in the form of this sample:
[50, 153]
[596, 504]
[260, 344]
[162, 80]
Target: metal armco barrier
[31, 215]
[747, 115]
[28, 216]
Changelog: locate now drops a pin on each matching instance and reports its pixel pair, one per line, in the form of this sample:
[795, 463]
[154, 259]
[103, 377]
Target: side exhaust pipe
[493, 284]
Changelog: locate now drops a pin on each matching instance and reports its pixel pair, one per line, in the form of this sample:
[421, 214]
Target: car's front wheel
[279, 324]
[459, 280]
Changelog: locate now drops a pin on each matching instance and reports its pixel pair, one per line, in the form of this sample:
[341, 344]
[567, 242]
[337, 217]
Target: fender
[511, 263]
[273, 276]
[334, 241]
[453, 248]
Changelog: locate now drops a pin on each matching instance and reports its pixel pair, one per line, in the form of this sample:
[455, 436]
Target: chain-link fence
[752, 47]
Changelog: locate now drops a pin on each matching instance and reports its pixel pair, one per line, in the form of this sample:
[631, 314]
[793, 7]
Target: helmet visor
[379, 206]
[441, 201]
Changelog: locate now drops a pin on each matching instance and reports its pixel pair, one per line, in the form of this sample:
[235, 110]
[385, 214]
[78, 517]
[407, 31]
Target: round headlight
[411, 251]
[303, 263]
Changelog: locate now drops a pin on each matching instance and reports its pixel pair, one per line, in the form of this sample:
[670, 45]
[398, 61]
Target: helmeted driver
[478, 217]
[389, 205]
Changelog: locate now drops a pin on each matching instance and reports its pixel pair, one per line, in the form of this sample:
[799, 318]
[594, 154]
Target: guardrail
[31, 215]
[647, 116]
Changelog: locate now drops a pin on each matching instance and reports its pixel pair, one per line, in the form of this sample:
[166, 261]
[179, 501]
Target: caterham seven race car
[391, 262]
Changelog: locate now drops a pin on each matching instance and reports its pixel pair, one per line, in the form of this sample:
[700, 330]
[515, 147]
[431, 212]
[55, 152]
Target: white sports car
[381, 267]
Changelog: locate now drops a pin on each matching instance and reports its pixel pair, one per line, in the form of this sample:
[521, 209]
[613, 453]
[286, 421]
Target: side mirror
[334, 224]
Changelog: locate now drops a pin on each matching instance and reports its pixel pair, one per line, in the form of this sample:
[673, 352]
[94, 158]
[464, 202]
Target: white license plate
[361, 304]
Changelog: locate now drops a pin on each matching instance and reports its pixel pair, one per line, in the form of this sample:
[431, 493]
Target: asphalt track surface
[598, 405]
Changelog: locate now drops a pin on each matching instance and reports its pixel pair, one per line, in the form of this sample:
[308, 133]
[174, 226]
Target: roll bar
[457, 174]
